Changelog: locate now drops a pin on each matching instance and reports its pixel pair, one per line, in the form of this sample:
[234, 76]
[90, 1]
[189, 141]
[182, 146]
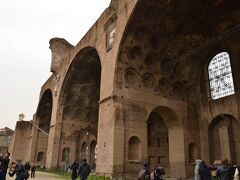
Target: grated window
[220, 76]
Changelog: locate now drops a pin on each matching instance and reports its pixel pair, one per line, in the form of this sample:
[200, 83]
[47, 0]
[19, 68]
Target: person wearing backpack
[74, 167]
[144, 173]
[84, 170]
[158, 173]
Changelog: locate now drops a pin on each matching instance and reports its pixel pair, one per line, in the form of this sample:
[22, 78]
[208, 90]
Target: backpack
[144, 174]
[158, 174]
[85, 169]
[26, 175]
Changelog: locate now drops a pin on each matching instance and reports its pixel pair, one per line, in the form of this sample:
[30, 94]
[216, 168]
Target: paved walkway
[41, 176]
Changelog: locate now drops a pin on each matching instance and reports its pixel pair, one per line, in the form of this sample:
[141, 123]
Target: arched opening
[220, 76]
[134, 149]
[224, 138]
[44, 113]
[158, 141]
[165, 137]
[84, 150]
[65, 154]
[80, 96]
[40, 156]
[159, 39]
[93, 154]
[192, 149]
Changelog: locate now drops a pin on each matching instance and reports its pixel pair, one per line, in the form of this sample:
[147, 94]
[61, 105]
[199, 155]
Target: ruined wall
[138, 57]
[21, 142]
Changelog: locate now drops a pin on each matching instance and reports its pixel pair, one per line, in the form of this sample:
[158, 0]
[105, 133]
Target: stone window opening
[220, 76]
[93, 154]
[40, 156]
[84, 150]
[110, 36]
[65, 154]
[134, 149]
[110, 30]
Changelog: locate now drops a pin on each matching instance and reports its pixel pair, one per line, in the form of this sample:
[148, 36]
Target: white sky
[26, 26]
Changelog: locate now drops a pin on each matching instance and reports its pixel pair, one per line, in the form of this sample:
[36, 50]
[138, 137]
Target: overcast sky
[26, 26]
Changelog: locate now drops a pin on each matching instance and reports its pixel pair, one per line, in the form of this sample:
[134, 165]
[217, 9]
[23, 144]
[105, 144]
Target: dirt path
[42, 176]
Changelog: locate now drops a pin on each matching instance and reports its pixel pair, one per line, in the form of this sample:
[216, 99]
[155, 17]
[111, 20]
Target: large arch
[165, 139]
[43, 119]
[158, 56]
[157, 36]
[79, 98]
[224, 138]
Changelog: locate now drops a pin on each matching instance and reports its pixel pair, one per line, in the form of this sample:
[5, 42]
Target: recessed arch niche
[43, 117]
[80, 96]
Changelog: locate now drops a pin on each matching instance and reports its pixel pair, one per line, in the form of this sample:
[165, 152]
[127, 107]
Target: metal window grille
[220, 76]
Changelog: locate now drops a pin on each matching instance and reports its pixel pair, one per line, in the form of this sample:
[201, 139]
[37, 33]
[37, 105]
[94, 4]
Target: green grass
[98, 178]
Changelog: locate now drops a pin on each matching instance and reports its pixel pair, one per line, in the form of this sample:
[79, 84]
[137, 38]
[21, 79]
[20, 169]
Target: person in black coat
[4, 160]
[225, 171]
[74, 167]
[84, 170]
[205, 171]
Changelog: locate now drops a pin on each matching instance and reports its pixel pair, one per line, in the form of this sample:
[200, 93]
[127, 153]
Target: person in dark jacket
[4, 160]
[17, 169]
[33, 170]
[20, 172]
[74, 167]
[225, 171]
[27, 168]
[205, 171]
[84, 170]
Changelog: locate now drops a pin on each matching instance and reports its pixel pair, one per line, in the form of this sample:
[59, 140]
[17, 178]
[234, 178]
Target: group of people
[224, 171]
[80, 169]
[21, 171]
[146, 174]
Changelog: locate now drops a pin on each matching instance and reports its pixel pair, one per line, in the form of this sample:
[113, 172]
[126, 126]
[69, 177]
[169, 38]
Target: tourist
[84, 170]
[74, 167]
[17, 169]
[205, 171]
[144, 173]
[4, 159]
[225, 171]
[33, 169]
[158, 173]
[236, 174]
[27, 166]
[20, 172]
[12, 167]
[197, 166]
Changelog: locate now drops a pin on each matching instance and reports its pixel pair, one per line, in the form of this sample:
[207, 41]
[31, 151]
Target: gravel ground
[41, 176]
